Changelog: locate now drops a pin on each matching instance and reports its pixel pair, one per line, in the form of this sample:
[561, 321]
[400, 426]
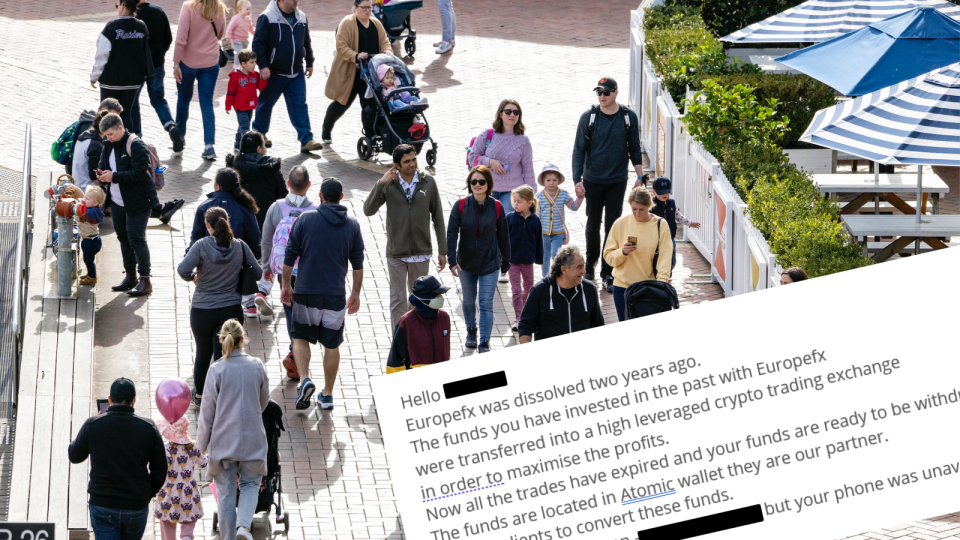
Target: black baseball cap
[428, 287]
[332, 190]
[607, 83]
[662, 185]
[123, 390]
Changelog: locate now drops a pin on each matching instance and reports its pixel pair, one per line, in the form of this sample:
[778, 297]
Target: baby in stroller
[389, 83]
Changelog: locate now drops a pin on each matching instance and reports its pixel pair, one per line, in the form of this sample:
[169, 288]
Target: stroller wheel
[364, 148]
[286, 522]
[410, 45]
[215, 521]
[431, 157]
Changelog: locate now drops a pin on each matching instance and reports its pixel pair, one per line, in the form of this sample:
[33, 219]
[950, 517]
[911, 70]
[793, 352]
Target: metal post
[916, 244]
[64, 256]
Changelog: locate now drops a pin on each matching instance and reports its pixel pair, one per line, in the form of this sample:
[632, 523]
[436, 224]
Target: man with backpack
[125, 167]
[607, 137]
[413, 200]
[273, 245]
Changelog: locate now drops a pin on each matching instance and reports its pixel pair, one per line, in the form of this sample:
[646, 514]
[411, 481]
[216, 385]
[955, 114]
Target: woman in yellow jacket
[359, 36]
[631, 245]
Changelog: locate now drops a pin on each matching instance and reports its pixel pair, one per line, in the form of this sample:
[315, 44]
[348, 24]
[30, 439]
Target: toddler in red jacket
[242, 92]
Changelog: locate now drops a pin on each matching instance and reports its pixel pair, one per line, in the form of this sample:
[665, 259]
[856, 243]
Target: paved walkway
[336, 480]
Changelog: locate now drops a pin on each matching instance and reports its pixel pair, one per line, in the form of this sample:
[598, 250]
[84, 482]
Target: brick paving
[336, 479]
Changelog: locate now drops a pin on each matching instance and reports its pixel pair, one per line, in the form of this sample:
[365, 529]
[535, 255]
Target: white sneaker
[437, 44]
[242, 532]
[445, 47]
[504, 279]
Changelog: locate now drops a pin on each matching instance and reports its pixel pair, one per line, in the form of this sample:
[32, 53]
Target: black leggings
[206, 324]
[600, 198]
[335, 110]
[125, 97]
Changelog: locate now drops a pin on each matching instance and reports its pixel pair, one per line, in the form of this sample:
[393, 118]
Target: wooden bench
[877, 247]
[55, 394]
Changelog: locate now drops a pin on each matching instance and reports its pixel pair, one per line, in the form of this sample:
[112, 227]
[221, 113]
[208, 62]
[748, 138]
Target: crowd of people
[258, 227]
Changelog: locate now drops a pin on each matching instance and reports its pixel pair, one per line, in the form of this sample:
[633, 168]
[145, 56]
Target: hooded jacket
[280, 47]
[484, 238]
[549, 313]
[132, 176]
[218, 272]
[243, 222]
[260, 175]
[325, 240]
[86, 158]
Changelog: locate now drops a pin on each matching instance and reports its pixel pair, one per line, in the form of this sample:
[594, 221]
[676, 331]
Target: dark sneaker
[608, 284]
[175, 138]
[484, 347]
[304, 393]
[325, 402]
[267, 143]
[209, 154]
[515, 328]
[170, 210]
[471, 342]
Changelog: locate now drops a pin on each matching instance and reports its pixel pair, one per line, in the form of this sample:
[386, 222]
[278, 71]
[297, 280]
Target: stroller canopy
[397, 64]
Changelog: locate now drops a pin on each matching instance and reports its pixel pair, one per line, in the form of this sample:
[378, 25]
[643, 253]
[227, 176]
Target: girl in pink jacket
[239, 30]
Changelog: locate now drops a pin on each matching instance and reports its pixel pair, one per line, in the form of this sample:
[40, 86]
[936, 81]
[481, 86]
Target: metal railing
[22, 268]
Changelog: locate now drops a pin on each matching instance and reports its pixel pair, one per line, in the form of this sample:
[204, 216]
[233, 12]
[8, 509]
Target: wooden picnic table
[904, 228]
[867, 188]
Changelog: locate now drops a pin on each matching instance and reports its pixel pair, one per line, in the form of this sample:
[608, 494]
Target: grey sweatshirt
[274, 215]
[230, 426]
[611, 148]
[218, 272]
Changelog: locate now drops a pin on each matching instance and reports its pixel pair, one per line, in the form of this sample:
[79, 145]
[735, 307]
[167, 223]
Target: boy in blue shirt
[666, 208]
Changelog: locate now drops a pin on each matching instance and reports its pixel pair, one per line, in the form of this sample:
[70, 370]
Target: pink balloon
[173, 398]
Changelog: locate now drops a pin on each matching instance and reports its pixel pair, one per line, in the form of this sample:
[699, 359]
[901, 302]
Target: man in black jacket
[562, 303]
[160, 38]
[126, 168]
[128, 464]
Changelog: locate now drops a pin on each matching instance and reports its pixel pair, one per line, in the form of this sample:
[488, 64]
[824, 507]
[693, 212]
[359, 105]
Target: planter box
[817, 161]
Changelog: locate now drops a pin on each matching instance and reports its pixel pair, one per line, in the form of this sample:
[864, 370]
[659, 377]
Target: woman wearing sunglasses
[508, 154]
[479, 223]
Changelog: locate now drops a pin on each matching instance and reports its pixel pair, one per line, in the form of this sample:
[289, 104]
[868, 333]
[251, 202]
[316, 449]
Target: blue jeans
[90, 247]
[206, 79]
[294, 92]
[551, 245]
[113, 524]
[157, 101]
[506, 200]
[231, 513]
[448, 19]
[132, 234]
[243, 120]
[488, 285]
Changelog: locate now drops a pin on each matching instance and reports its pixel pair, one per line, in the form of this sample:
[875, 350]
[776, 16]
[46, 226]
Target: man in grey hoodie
[283, 212]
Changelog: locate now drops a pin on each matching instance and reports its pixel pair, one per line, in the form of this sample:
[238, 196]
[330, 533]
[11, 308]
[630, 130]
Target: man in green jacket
[412, 200]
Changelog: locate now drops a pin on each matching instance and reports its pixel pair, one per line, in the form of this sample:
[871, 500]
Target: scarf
[422, 308]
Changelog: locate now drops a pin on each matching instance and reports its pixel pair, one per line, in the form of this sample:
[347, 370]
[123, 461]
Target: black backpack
[593, 120]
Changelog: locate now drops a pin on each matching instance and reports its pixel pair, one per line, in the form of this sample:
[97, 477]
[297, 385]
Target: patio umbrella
[820, 20]
[882, 53]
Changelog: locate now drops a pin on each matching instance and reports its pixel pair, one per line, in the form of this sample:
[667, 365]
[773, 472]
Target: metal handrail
[20, 278]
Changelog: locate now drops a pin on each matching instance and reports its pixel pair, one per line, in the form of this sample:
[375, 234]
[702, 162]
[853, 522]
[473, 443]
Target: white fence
[740, 258]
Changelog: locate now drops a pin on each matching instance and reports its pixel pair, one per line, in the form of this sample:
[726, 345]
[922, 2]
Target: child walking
[526, 246]
[89, 227]
[551, 201]
[179, 499]
[665, 207]
[239, 30]
[242, 92]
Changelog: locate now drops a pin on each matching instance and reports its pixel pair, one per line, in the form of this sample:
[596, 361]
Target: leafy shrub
[731, 116]
[724, 17]
[799, 97]
[660, 17]
[663, 45]
[742, 164]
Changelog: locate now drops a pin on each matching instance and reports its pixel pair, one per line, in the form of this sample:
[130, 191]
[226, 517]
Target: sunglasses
[513, 112]
[604, 92]
[478, 182]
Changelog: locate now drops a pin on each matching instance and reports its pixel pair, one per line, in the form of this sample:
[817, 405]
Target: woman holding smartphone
[638, 248]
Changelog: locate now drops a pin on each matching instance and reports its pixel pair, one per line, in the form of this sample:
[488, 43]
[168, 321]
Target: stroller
[395, 18]
[271, 493]
[393, 127]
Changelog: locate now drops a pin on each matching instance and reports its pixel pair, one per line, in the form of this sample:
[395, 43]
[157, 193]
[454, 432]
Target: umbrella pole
[916, 246]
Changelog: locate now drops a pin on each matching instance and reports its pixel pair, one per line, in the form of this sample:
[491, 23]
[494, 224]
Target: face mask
[433, 303]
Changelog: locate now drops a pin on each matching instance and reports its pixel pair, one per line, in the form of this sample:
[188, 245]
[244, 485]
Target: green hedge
[724, 17]
[661, 17]
[799, 98]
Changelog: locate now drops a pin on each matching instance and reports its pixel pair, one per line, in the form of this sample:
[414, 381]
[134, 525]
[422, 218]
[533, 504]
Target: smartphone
[102, 405]
[632, 240]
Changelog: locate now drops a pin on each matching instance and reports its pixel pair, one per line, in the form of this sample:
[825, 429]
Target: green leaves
[724, 17]
[660, 17]
[721, 116]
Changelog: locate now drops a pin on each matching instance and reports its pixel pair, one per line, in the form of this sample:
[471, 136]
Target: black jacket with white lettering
[123, 58]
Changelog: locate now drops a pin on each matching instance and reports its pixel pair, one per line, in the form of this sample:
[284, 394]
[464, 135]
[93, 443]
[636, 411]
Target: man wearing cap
[413, 201]
[666, 208]
[608, 137]
[422, 337]
[128, 464]
[325, 241]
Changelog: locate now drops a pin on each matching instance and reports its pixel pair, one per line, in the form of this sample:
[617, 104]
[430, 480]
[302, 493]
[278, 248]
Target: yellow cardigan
[638, 266]
[344, 68]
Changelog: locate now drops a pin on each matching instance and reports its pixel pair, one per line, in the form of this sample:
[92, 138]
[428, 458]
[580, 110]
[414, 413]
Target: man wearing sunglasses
[608, 140]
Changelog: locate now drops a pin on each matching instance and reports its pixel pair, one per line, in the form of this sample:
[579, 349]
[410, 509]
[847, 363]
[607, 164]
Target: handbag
[248, 281]
[223, 55]
[566, 231]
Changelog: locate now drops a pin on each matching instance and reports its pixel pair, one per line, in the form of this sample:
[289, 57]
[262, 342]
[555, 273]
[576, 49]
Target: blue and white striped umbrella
[820, 20]
[916, 122]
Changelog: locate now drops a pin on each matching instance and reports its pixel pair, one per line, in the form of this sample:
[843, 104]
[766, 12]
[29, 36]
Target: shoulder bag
[223, 55]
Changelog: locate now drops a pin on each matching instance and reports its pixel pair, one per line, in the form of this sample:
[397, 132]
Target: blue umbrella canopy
[882, 53]
[820, 20]
[915, 122]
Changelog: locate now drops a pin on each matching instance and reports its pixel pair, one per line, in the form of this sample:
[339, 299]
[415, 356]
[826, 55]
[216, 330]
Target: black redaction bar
[474, 385]
[692, 528]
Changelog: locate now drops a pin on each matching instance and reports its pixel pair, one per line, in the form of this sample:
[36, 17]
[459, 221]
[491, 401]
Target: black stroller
[407, 124]
[271, 492]
[395, 18]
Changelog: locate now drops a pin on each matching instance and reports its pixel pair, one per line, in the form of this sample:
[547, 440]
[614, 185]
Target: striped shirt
[551, 211]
